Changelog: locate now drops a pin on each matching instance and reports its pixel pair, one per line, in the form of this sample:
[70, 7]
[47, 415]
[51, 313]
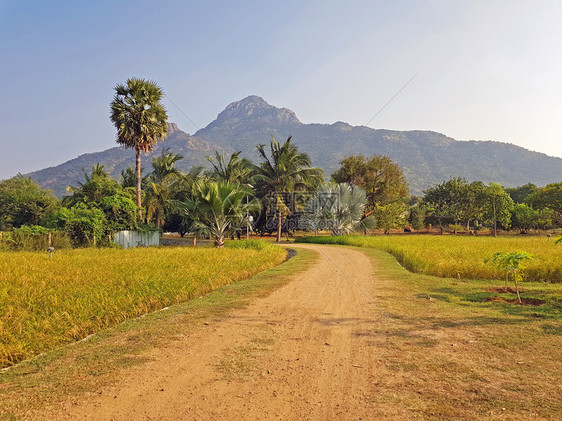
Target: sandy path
[300, 353]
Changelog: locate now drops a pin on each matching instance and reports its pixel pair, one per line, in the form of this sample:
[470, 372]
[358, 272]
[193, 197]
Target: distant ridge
[426, 157]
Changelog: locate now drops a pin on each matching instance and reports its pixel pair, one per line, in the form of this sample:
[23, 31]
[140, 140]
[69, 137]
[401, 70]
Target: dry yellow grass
[461, 256]
[46, 303]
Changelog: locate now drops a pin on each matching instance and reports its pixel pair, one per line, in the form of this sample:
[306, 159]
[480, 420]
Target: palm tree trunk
[194, 240]
[139, 181]
[279, 228]
[219, 241]
[158, 218]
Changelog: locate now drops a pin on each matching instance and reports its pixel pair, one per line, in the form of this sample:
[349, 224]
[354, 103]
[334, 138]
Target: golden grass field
[46, 303]
[460, 256]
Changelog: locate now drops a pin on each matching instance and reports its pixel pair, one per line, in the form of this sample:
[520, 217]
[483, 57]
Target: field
[46, 303]
[460, 256]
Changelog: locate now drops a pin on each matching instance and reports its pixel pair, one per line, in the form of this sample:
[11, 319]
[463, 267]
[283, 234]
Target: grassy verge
[86, 366]
[460, 256]
[442, 354]
[47, 303]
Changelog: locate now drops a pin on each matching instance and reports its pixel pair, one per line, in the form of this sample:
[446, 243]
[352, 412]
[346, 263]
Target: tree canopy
[379, 176]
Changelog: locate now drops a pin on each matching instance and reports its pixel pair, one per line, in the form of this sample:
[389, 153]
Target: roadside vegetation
[47, 303]
[461, 257]
[444, 352]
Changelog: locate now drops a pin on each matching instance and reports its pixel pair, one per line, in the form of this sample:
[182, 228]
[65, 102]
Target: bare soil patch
[524, 301]
[501, 290]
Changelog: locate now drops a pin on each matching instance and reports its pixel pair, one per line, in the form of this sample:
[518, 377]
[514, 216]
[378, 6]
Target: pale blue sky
[486, 69]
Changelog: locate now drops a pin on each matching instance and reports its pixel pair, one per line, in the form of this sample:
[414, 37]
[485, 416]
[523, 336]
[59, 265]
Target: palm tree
[218, 208]
[287, 170]
[236, 170]
[140, 120]
[162, 180]
[340, 208]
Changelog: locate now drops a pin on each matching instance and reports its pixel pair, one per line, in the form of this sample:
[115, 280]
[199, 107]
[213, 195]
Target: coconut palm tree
[218, 208]
[236, 170]
[162, 182]
[140, 120]
[286, 171]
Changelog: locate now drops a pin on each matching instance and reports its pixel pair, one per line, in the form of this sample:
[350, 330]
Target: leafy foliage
[511, 263]
[236, 170]
[85, 226]
[23, 202]
[379, 176]
[548, 198]
[218, 208]
[140, 119]
[286, 169]
[339, 208]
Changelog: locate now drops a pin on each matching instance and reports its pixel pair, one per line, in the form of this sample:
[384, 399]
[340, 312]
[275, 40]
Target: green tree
[455, 201]
[95, 187]
[285, 170]
[496, 204]
[548, 198]
[218, 208]
[524, 218]
[24, 202]
[389, 216]
[140, 120]
[181, 190]
[85, 226]
[379, 176]
[120, 212]
[100, 191]
[234, 170]
[418, 213]
[520, 194]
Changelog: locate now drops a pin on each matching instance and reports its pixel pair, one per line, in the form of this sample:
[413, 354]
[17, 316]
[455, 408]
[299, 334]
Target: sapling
[510, 263]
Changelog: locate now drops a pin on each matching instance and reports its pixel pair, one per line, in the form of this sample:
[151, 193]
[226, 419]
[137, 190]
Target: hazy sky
[485, 69]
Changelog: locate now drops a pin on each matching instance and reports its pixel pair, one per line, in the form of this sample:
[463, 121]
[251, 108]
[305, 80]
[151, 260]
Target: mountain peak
[254, 110]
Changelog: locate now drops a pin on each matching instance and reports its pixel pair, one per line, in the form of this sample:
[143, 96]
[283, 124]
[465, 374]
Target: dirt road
[303, 352]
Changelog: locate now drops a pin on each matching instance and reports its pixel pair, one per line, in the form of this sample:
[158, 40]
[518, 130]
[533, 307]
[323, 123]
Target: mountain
[119, 158]
[426, 157]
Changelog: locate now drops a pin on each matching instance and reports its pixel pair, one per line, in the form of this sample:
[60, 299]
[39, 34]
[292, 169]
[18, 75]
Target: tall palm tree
[140, 119]
[218, 208]
[286, 171]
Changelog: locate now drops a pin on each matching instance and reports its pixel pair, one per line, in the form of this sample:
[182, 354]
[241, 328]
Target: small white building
[129, 239]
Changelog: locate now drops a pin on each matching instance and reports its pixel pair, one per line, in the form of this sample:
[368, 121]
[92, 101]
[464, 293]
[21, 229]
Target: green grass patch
[47, 303]
[460, 256]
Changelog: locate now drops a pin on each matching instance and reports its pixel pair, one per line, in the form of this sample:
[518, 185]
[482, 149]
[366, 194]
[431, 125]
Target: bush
[84, 226]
